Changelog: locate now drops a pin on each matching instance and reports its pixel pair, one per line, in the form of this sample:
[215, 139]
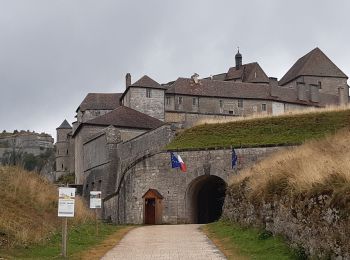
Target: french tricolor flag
[177, 162]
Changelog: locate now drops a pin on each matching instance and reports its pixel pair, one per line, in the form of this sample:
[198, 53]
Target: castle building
[114, 144]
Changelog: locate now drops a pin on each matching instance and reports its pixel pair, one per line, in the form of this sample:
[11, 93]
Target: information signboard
[66, 199]
[95, 200]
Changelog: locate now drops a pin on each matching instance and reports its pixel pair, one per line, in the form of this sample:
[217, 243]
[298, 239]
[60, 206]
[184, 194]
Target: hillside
[269, 131]
[29, 208]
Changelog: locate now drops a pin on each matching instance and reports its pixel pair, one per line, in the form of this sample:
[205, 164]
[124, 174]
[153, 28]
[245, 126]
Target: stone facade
[178, 189]
[146, 100]
[112, 152]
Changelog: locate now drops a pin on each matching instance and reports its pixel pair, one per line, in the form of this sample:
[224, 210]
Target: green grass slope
[269, 131]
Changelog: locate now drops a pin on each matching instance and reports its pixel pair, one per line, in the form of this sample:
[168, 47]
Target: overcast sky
[53, 52]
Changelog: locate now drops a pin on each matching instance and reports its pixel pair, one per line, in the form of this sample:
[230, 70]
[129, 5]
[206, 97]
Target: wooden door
[150, 211]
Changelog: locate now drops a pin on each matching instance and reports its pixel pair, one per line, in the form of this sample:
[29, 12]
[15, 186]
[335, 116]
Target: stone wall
[177, 188]
[214, 105]
[153, 106]
[308, 223]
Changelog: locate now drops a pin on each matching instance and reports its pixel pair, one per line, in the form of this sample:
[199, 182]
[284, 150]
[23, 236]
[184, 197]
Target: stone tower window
[148, 93]
[179, 100]
[62, 166]
[221, 103]
[319, 85]
[168, 100]
[240, 103]
[263, 107]
[67, 151]
[194, 101]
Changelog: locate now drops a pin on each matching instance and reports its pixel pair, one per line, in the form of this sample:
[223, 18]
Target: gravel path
[165, 242]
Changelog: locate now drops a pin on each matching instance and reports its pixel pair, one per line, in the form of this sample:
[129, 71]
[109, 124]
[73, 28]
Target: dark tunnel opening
[208, 199]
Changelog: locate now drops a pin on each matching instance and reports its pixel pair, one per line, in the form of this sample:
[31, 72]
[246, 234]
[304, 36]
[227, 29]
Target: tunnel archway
[206, 196]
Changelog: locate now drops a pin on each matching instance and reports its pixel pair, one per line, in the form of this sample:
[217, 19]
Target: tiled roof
[251, 72]
[65, 125]
[230, 89]
[147, 82]
[126, 117]
[100, 101]
[314, 63]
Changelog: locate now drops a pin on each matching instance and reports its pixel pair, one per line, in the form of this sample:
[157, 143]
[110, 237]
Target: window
[179, 101]
[319, 85]
[62, 166]
[168, 100]
[148, 93]
[194, 101]
[221, 103]
[230, 112]
[263, 107]
[240, 103]
[67, 151]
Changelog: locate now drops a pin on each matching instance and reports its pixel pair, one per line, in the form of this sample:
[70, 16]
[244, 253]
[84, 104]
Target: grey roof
[100, 101]
[314, 63]
[64, 125]
[146, 82]
[251, 72]
[126, 117]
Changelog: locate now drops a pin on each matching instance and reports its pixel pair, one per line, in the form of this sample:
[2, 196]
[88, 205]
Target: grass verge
[247, 243]
[269, 131]
[82, 243]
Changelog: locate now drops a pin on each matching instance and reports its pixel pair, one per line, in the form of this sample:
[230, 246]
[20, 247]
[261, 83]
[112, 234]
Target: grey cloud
[52, 53]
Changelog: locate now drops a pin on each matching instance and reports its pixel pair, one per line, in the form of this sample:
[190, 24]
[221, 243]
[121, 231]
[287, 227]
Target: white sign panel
[66, 202]
[95, 199]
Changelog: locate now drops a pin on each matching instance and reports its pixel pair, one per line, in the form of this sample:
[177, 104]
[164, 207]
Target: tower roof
[251, 72]
[64, 125]
[238, 54]
[100, 101]
[147, 82]
[314, 63]
[126, 117]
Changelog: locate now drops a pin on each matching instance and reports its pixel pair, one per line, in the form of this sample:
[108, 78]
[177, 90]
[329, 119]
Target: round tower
[62, 148]
[238, 58]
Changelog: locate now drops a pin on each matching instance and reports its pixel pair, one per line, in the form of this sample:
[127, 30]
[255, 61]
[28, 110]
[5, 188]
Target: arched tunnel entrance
[206, 196]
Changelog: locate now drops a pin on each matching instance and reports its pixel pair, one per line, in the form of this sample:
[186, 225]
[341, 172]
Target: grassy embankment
[29, 226]
[266, 131]
[240, 243]
[316, 167]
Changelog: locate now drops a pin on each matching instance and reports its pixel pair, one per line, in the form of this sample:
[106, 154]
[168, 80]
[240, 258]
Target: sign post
[95, 203]
[66, 201]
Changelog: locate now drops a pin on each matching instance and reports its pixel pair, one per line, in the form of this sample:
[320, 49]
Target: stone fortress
[117, 143]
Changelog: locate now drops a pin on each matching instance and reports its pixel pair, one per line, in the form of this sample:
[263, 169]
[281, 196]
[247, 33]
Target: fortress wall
[155, 172]
[311, 223]
[105, 153]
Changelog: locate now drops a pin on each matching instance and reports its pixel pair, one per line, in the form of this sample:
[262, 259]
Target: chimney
[342, 96]
[273, 81]
[127, 80]
[194, 77]
[314, 93]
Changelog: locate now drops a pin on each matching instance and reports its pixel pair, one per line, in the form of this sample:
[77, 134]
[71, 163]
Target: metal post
[96, 222]
[64, 236]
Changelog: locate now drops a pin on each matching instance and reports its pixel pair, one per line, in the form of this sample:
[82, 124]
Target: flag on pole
[177, 162]
[234, 158]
